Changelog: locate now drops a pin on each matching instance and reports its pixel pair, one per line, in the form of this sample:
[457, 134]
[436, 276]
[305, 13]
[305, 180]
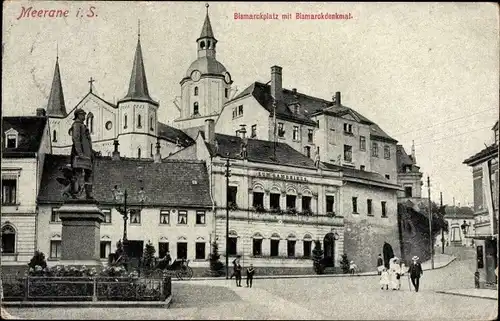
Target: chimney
[276, 83]
[338, 103]
[294, 90]
[116, 153]
[210, 131]
[157, 157]
[40, 112]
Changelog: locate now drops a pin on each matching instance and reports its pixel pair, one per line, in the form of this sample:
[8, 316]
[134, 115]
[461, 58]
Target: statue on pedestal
[78, 175]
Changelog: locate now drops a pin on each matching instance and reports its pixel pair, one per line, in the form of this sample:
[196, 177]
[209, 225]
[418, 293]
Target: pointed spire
[413, 157]
[206, 31]
[56, 105]
[138, 86]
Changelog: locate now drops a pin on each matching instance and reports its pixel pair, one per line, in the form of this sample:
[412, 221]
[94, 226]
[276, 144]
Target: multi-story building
[485, 178]
[168, 203]
[25, 143]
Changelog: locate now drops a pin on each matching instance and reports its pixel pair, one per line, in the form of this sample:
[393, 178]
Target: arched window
[226, 92]
[233, 242]
[196, 110]
[202, 44]
[90, 122]
[125, 121]
[8, 239]
[196, 91]
[54, 135]
[151, 123]
[139, 122]
[139, 152]
[151, 150]
[209, 44]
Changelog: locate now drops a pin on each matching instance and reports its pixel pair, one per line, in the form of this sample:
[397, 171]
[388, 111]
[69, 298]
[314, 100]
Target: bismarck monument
[80, 216]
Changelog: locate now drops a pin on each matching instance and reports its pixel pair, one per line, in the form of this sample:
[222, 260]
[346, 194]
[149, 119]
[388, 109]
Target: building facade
[25, 143]
[485, 178]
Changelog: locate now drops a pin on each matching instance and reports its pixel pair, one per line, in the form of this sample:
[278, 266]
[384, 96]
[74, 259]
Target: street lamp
[465, 228]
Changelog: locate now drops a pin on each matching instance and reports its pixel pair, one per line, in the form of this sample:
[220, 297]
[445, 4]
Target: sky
[425, 72]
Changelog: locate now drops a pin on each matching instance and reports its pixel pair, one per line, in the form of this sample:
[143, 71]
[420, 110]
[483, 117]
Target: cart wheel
[188, 273]
[179, 275]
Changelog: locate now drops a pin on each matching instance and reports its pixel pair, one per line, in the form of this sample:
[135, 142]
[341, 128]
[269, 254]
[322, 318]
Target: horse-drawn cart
[178, 268]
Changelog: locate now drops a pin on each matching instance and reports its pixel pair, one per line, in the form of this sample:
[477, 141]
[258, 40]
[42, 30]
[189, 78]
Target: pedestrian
[235, 264]
[395, 274]
[380, 264]
[250, 273]
[415, 272]
[384, 279]
[352, 268]
[237, 273]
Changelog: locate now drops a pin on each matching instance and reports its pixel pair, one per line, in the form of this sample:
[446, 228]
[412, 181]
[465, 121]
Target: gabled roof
[174, 135]
[259, 151]
[403, 160]
[487, 153]
[356, 173]
[169, 183]
[138, 86]
[30, 131]
[56, 105]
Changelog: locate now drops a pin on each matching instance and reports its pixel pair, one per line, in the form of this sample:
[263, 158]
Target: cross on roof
[91, 81]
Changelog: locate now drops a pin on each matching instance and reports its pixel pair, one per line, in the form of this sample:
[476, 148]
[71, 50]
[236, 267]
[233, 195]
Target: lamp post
[227, 174]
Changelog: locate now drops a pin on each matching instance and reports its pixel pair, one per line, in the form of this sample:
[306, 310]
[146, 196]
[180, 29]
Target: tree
[38, 259]
[318, 266]
[149, 255]
[344, 264]
[216, 265]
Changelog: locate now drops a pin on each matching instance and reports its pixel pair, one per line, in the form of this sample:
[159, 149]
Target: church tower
[137, 113]
[206, 85]
[56, 107]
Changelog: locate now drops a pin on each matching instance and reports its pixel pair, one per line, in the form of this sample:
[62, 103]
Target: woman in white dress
[395, 273]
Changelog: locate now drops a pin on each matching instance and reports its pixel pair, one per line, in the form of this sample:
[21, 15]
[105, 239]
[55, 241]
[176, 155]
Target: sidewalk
[476, 293]
[440, 261]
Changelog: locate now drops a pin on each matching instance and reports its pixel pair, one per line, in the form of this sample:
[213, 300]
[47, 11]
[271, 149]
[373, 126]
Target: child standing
[384, 279]
[352, 268]
[250, 273]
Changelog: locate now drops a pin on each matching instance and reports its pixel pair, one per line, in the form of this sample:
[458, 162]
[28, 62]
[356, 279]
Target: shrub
[344, 264]
[317, 252]
[149, 254]
[38, 259]
[216, 265]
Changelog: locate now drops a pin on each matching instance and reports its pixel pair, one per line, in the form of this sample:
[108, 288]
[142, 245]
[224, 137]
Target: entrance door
[134, 251]
[491, 260]
[329, 245]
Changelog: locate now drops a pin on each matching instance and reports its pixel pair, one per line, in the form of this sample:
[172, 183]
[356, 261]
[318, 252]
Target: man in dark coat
[82, 156]
[415, 272]
[250, 273]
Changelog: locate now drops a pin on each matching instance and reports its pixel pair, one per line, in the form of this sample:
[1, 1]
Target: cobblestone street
[306, 298]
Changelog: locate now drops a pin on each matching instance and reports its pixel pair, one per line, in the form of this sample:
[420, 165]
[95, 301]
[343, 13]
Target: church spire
[413, 157]
[206, 42]
[56, 105]
[206, 30]
[138, 86]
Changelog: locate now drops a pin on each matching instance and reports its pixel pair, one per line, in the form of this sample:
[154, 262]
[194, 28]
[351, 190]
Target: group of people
[392, 277]
[237, 269]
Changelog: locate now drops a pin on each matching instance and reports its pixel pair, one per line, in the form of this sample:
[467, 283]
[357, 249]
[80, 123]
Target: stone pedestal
[80, 239]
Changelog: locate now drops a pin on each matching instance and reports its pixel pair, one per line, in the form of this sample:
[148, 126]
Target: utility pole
[430, 222]
[442, 230]
[228, 173]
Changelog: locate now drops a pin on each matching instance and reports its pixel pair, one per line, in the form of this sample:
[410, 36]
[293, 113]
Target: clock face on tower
[227, 78]
[195, 75]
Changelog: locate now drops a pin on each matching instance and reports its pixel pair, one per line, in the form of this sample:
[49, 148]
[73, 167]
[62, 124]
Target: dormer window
[11, 138]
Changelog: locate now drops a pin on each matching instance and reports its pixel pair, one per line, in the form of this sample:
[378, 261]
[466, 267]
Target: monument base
[81, 237]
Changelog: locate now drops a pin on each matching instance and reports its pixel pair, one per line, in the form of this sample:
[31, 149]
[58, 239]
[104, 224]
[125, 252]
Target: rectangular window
[387, 152]
[54, 216]
[240, 110]
[290, 248]
[107, 215]
[291, 201]
[310, 135]
[200, 251]
[254, 131]
[332, 139]
[374, 149]
[135, 216]
[55, 249]
[281, 130]
[478, 193]
[165, 217]
[274, 200]
[330, 201]
[258, 200]
[163, 248]
[408, 191]
[295, 135]
[348, 153]
[362, 143]
[257, 247]
[182, 218]
[275, 245]
[200, 217]
[232, 192]
[235, 112]
[11, 141]
[9, 187]
[307, 151]
[362, 167]
[355, 205]
[105, 249]
[233, 246]
[384, 210]
[307, 248]
[369, 206]
[226, 92]
[182, 249]
[348, 128]
[306, 203]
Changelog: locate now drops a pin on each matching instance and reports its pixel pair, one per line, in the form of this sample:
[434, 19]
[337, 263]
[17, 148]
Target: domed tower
[206, 85]
[137, 113]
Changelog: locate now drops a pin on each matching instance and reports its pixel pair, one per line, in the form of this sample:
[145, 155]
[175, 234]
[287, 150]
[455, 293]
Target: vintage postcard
[249, 160]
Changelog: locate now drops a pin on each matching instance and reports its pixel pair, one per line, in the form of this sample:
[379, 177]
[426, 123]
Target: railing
[100, 288]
